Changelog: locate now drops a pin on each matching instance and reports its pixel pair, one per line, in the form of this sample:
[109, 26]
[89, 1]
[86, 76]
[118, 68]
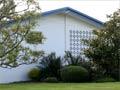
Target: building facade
[64, 30]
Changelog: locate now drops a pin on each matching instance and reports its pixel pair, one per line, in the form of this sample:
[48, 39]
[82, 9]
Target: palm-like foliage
[50, 66]
[72, 60]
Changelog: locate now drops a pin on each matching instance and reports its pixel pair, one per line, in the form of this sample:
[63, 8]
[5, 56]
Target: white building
[63, 28]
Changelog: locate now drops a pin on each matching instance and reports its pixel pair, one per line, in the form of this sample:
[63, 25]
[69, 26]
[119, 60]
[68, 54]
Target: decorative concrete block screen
[76, 44]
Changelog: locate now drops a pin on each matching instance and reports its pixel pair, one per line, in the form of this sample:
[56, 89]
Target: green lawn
[61, 86]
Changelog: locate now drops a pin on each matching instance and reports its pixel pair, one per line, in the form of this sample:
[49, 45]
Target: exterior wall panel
[52, 28]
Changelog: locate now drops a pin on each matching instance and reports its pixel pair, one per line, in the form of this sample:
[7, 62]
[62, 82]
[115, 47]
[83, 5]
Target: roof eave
[74, 12]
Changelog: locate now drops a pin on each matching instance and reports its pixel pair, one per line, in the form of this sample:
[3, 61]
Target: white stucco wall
[56, 30]
[53, 28]
[15, 74]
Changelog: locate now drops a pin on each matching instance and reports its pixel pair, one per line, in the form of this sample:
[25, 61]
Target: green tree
[104, 49]
[15, 26]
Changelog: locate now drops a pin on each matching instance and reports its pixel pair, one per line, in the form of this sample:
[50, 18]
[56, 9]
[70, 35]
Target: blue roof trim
[74, 12]
[56, 11]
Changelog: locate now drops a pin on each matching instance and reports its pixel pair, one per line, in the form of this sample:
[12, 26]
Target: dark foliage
[50, 66]
[50, 80]
[105, 79]
[71, 59]
[34, 74]
[74, 74]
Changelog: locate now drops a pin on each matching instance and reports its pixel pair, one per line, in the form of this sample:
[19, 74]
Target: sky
[94, 8]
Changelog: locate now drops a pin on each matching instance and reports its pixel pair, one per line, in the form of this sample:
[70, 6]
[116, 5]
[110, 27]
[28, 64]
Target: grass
[61, 86]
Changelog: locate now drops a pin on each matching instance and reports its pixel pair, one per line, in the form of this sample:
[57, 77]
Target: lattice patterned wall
[76, 44]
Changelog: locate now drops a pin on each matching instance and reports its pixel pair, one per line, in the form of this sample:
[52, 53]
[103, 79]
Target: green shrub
[115, 74]
[97, 73]
[74, 74]
[106, 79]
[51, 80]
[34, 74]
[50, 66]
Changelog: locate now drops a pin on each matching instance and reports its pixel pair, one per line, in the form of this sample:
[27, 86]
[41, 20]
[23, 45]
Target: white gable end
[56, 29]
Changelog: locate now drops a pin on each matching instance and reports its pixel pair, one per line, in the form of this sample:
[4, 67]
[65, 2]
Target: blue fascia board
[57, 11]
[88, 18]
[84, 15]
[76, 13]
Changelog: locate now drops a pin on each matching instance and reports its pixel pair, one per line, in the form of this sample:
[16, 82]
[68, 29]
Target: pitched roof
[73, 12]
